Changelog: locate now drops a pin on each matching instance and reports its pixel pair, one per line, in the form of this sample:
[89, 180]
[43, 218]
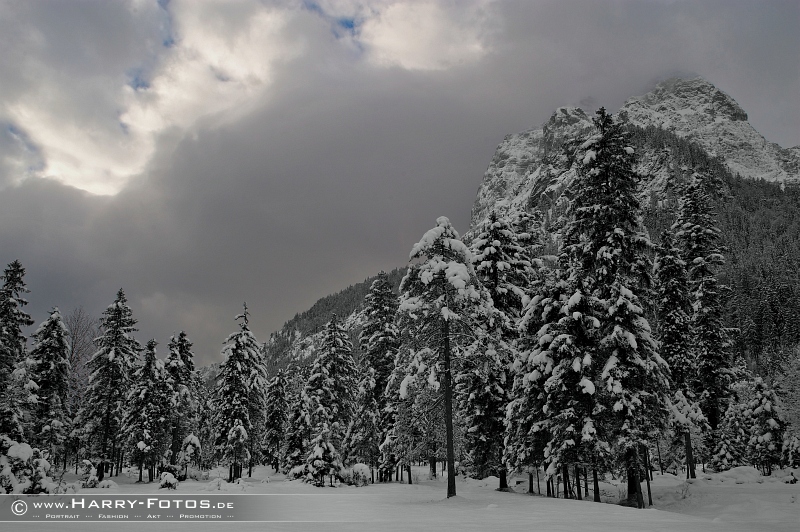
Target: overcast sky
[200, 154]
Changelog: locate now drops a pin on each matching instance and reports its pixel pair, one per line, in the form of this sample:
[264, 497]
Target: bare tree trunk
[448, 414]
[565, 474]
[503, 479]
[578, 483]
[432, 462]
[409, 473]
[585, 482]
[596, 484]
[660, 463]
[647, 476]
[690, 471]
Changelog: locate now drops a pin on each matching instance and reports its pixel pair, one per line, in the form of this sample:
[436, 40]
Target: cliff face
[696, 110]
[533, 167]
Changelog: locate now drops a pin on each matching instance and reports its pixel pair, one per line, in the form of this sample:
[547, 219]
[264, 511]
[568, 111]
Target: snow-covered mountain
[697, 110]
[533, 165]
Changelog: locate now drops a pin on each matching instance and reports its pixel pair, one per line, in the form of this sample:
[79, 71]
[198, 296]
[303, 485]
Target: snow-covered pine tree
[13, 350]
[555, 409]
[767, 427]
[363, 436]
[483, 388]
[733, 438]
[379, 341]
[238, 397]
[206, 432]
[697, 233]
[439, 295]
[688, 422]
[150, 406]
[275, 417]
[180, 369]
[329, 397]
[298, 420]
[675, 336]
[111, 368]
[606, 250]
[674, 309]
[50, 371]
[503, 265]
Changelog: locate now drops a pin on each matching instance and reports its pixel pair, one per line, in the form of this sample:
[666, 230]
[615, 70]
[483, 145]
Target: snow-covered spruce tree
[688, 422]
[180, 369]
[767, 427]
[555, 409]
[150, 406]
[697, 233]
[275, 415]
[363, 437]
[733, 438]
[111, 368]
[675, 335]
[238, 397]
[439, 296]
[412, 434]
[298, 421]
[50, 371]
[13, 319]
[329, 396]
[605, 256]
[503, 265]
[674, 309]
[607, 243]
[483, 387]
[205, 425]
[379, 341]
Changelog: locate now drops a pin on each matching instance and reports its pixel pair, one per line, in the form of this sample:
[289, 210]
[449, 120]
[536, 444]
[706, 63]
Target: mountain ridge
[533, 163]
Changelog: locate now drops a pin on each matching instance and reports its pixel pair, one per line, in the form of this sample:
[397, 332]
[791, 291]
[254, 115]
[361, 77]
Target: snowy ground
[740, 500]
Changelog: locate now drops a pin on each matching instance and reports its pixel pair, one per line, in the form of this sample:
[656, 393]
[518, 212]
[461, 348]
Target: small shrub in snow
[358, 475]
[107, 484]
[168, 481]
[90, 482]
[215, 485]
[23, 469]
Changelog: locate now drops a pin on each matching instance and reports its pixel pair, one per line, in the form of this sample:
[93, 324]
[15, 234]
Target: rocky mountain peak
[684, 100]
[532, 163]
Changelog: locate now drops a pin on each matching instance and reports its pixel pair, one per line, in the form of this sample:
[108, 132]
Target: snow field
[738, 500]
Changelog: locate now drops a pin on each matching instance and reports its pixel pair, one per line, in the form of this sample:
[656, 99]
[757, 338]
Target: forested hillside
[286, 343]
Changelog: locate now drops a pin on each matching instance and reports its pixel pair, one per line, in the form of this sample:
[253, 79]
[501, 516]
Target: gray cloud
[338, 164]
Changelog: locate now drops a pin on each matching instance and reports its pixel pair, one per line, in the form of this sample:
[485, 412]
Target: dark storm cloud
[342, 163]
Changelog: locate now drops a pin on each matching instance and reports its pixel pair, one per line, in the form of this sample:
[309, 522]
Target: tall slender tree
[608, 251]
[697, 233]
[50, 371]
[502, 261]
[439, 295]
[179, 366]
[99, 419]
[379, 341]
[275, 418]
[237, 395]
[675, 336]
[13, 319]
[150, 405]
[329, 397]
